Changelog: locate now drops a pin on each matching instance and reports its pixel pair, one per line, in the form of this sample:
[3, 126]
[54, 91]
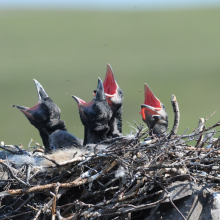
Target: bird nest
[123, 178]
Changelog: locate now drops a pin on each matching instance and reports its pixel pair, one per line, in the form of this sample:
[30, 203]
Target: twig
[28, 171]
[25, 202]
[37, 215]
[169, 197]
[63, 163]
[22, 151]
[12, 174]
[10, 151]
[54, 202]
[79, 181]
[207, 118]
[17, 215]
[51, 160]
[176, 116]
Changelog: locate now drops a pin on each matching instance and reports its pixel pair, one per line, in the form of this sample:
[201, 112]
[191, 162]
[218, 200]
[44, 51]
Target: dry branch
[79, 181]
[176, 116]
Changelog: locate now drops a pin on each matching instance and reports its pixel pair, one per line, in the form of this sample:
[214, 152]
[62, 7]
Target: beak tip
[75, 98]
[109, 66]
[150, 98]
[40, 90]
[35, 81]
[109, 70]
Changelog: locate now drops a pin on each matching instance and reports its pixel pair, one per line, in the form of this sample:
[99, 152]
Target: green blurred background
[173, 51]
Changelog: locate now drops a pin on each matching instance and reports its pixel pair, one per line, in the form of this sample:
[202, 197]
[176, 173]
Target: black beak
[30, 113]
[40, 90]
[100, 93]
[20, 107]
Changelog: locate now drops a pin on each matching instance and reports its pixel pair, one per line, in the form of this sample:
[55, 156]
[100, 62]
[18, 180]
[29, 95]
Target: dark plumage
[114, 96]
[45, 116]
[95, 116]
[153, 112]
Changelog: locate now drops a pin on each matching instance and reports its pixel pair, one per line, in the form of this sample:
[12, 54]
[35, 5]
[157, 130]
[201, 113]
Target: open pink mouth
[109, 84]
[81, 102]
[29, 112]
[151, 99]
[152, 105]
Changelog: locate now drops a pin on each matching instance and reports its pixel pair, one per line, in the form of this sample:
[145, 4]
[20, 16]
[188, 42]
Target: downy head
[45, 115]
[153, 112]
[95, 115]
[114, 96]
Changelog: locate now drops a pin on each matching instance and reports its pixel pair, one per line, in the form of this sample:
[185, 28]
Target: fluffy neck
[45, 132]
[45, 138]
[118, 117]
[160, 127]
[115, 124]
[91, 137]
[55, 124]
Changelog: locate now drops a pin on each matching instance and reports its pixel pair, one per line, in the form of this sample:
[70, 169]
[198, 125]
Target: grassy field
[174, 52]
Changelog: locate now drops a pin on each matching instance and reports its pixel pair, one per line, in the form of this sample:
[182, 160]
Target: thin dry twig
[176, 116]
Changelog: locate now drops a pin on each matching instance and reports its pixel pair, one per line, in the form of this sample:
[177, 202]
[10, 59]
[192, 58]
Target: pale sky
[109, 4]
